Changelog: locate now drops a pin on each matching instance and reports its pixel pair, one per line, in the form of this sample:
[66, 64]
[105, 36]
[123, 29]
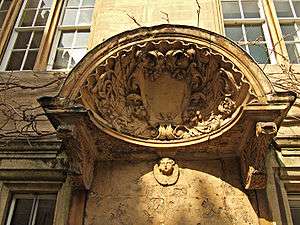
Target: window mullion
[77, 16]
[36, 14]
[72, 47]
[245, 38]
[35, 206]
[27, 50]
[11, 210]
[241, 9]
[292, 8]
[32, 210]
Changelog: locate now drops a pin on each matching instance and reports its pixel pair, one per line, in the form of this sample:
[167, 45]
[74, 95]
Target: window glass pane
[297, 7]
[66, 39]
[289, 32]
[250, 9]
[294, 52]
[2, 17]
[22, 40]
[260, 53]
[36, 40]
[81, 39]
[296, 215]
[76, 55]
[88, 2]
[22, 212]
[231, 10]
[61, 59]
[234, 32]
[15, 60]
[85, 16]
[5, 5]
[73, 3]
[254, 33]
[27, 18]
[69, 17]
[32, 4]
[45, 212]
[42, 17]
[46, 4]
[294, 201]
[30, 60]
[283, 8]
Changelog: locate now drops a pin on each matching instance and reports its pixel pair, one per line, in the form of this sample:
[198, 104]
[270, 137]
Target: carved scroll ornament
[165, 91]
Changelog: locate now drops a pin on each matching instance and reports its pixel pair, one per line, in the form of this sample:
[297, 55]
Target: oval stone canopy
[167, 85]
[164, 90]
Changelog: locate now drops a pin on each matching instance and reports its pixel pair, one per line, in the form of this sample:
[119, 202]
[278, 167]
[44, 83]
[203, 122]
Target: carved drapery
[165, 90]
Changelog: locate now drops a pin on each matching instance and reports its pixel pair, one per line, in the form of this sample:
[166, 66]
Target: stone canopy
[167, 90]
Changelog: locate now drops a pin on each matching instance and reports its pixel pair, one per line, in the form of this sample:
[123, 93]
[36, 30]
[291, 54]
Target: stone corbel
[253, 157]
[80, 152]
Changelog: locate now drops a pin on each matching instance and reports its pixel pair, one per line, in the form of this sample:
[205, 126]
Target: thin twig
[198, 13]
[134, 20]
[166, 16]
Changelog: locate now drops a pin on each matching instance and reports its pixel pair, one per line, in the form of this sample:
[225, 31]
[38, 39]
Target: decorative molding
[165, 91]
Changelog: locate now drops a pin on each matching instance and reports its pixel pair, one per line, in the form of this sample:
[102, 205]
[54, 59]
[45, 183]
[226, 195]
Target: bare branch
[134, 20]
[13, 84]
[198, 13]
[166, 17]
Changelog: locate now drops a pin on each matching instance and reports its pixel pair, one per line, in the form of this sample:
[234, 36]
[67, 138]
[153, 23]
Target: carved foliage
[164, 90]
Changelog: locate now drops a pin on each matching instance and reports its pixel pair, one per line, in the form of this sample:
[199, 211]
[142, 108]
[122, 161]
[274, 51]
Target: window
[72, 34]
[31, 209]
[245, 24]
[4, 6]
[294, 201]
[288, 13]
[26, 38]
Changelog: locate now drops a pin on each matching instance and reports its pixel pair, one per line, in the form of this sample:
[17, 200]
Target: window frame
[61, 189]
[34, 208]
[262, 21]
[293, 196]
[1, 3]
[61, 28]
[295, 21]
[14, 34]
[49, 37]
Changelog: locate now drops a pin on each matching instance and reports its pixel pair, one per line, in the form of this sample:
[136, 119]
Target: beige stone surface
[113, 16]
[126, 192]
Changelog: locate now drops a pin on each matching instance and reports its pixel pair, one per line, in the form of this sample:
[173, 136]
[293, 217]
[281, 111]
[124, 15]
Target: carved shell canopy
[165, 90]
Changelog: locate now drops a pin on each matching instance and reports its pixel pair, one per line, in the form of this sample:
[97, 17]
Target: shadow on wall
[126, 193]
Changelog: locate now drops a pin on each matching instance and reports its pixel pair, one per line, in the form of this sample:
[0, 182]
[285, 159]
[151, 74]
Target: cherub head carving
[166, 172]
[166, 166]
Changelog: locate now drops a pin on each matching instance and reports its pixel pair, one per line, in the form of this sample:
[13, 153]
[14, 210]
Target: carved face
[166, 166]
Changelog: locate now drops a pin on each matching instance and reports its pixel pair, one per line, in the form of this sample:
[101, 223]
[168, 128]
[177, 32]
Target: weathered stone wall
[207, 192]
[115, 16]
